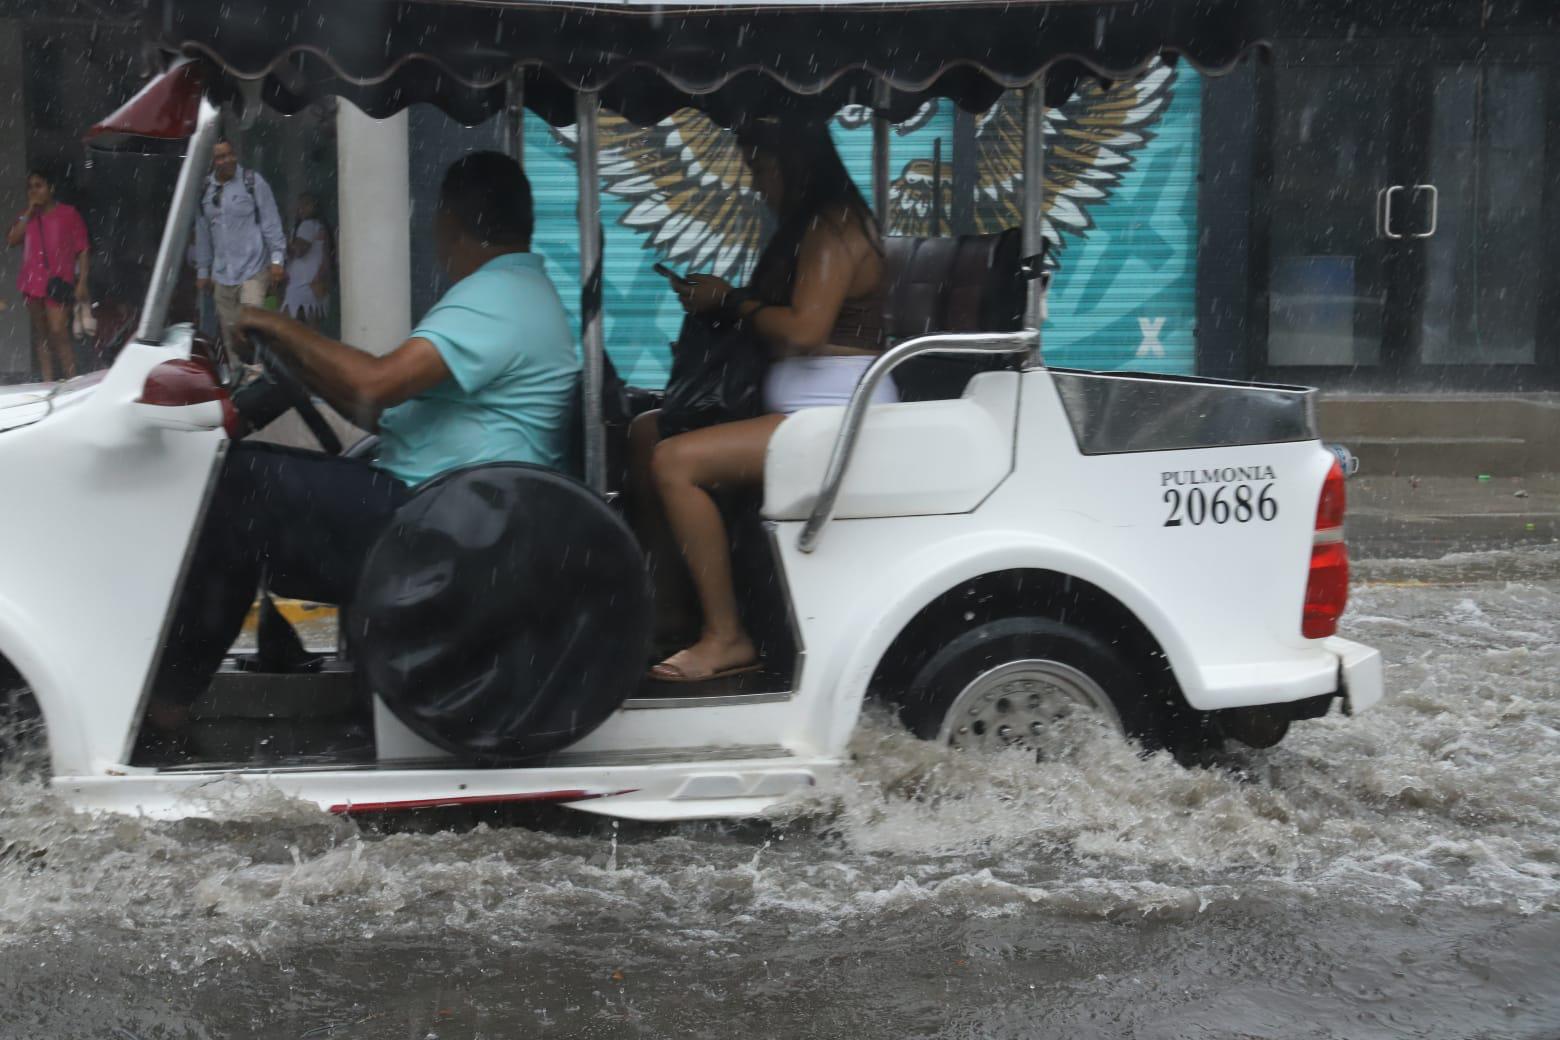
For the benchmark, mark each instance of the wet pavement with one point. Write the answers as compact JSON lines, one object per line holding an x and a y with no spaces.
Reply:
{"x":1393,"y":875}
{"x":1433,"y":516}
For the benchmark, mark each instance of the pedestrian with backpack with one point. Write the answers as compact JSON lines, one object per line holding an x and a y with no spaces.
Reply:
{"x":240,"y":247}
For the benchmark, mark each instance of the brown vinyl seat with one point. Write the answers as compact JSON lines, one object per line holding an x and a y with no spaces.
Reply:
{"x":972,"y":283}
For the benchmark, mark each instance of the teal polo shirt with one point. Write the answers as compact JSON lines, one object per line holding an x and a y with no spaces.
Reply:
{"x":506,"y":339}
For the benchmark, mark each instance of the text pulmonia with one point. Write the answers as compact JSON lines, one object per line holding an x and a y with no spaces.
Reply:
{"x":1222,"y":475}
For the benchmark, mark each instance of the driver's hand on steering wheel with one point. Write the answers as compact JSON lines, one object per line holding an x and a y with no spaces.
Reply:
{"x":257,"y":319}
{"x":249,"y":319}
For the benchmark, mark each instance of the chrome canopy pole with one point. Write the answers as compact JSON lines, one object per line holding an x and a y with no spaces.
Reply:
{"x":880,"y":153}
{"x":176,"y":231}
{"x":513,"y":130}
{"x":1034,"y":196}
{"x":587,"y":107}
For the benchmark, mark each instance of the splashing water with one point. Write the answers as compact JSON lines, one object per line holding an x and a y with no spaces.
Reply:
{"x":1392,"y":874}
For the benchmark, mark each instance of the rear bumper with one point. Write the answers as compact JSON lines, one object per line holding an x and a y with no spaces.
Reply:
{"x":1359,"y":674}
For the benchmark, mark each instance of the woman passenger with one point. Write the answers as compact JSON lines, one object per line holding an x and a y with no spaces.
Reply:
{"x":815,"y":302}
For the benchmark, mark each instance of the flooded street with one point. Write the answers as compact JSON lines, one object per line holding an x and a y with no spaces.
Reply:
{"x":1397,"y":875}
{"x":607,"y":391}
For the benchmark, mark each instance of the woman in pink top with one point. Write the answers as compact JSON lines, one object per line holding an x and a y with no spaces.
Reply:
{"x":55,"y":247}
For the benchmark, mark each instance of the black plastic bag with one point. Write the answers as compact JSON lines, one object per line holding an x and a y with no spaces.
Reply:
{"x":717,"y":376}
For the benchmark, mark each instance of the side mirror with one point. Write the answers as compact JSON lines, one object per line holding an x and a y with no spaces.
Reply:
{"x":185,"y":395}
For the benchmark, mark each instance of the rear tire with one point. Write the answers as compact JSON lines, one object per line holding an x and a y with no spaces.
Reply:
{"x":1002,"y":683}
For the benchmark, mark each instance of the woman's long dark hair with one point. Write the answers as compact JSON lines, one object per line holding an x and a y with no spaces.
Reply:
{"x":815,"y":182}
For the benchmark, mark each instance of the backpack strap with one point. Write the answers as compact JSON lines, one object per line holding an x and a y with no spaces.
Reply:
{"x":254,"y":203}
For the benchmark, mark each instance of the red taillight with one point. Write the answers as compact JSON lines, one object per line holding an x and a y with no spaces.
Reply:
{"x":187,"y":381}
{"x":1330,"y":507}
{"x":1327,"y":593}
{"x":1327,"y":590}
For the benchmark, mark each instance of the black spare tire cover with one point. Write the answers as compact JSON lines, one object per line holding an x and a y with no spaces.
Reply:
{"x":503,"y":613}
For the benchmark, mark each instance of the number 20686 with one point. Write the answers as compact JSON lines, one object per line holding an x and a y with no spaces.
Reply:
{"x":1227,"y":504}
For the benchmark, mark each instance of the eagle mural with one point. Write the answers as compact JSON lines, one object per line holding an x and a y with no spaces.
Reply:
{"x":687,"y":188}
{"x":689,"y":197}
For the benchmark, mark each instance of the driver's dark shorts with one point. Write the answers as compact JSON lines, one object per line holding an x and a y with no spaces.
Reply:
{"x":308,"y":519}
{"x":299,"y":522}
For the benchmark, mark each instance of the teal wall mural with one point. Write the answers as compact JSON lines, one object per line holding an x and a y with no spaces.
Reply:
{"x":1121,"y":186}
{"x":1125,"y":295}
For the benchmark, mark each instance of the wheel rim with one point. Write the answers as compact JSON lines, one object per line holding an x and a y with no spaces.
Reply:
{"x":1019,"y":703}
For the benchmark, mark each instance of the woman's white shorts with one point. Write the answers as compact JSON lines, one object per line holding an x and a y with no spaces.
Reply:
{"x":794,"y":383}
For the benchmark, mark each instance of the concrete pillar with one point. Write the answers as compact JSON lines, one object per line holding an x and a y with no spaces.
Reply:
{"x":374,"y":203}
{"x":374,"y":236}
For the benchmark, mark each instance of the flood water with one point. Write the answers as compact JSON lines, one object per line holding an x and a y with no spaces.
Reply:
{"x":1395,"y":875}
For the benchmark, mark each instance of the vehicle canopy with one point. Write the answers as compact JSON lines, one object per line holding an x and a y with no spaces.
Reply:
{"x":566,"y":61}
{"x":646,"y":60}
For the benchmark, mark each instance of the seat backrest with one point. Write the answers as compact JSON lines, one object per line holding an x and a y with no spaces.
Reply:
{"x":616,"y":413}
{"x":972,"y":283}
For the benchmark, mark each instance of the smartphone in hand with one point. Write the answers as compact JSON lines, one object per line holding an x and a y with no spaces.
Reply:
{"x":669,"y":274}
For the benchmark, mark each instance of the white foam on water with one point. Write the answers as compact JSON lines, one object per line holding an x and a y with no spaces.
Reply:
{"x":1450,"y":789}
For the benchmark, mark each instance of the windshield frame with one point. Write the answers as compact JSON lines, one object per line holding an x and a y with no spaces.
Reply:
{"x":181,"y":217}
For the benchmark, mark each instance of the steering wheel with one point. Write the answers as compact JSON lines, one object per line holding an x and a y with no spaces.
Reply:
{"x":275,"y":392}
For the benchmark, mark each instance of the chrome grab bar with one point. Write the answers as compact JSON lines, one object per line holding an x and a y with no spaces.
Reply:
{"x":861,"y":399}
{"x":1435,"y":209}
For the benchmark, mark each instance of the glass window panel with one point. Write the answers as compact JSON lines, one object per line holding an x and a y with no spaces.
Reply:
{"x":1311,"y":310}
{"x":1326,"y":280}
{"x":1483,"y":267}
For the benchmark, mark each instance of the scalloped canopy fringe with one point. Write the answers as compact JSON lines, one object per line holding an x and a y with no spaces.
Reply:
{"x":733,"y":61}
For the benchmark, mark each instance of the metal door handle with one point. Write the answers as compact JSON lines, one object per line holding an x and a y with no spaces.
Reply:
{"x":1386,"y":216}
{"x":1435,"y":208}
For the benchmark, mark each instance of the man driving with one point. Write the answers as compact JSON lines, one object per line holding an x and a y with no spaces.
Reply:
{"x":488,"y":375}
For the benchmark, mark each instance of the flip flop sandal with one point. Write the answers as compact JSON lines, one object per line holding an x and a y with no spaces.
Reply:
{"x":670,"y":673}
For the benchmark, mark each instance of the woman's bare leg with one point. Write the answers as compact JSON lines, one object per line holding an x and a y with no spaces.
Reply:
{"x":674,"y":601}
{"x":684,"y":467}
{"x":38,"y":319}
{"x":644,"y":506}
{"x":59,"y":339}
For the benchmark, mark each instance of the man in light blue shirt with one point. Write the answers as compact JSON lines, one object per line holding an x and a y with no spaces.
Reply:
{"x":239,"y":244}
{"x":500,"y":402}
{"x":490,"y":374}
